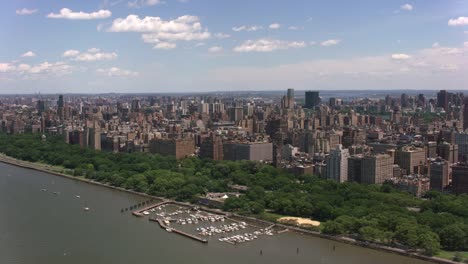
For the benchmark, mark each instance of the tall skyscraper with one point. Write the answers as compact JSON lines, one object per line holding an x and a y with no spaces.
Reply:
{"x":290,"y":94}
{"x":460,"y":178}
{"x":461,"y":139}
{"x":439,"y":174}
{"x":443,"y":99}
{"x":312,"y":99}
{"x":354,"y":168}
{"x":337,"y":164}
{"x":288,"y":100}
{"x":60,"y":106}
{"x":465,"y":113}
{"x":135,"y":105}
{"x":404,"y":100}
{"x":60,"y":103}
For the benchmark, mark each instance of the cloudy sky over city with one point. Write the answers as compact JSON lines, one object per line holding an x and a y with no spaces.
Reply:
{"x":90,"y":46}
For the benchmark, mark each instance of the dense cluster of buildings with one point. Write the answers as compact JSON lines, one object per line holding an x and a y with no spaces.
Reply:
{"x":415,"y":142}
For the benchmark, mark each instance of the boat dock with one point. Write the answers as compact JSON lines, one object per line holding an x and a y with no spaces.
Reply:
{"x":162,"y":225}
{"x":139,"y":212}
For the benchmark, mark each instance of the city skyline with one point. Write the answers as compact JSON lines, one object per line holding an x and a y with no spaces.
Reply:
{"x":152,"y":46}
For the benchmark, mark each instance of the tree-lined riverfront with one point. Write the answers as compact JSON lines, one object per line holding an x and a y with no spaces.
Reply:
{"x":38,"y":227}
{"x":366,"y":212}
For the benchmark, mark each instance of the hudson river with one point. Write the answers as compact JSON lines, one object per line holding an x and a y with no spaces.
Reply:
{"x":40,"y":227}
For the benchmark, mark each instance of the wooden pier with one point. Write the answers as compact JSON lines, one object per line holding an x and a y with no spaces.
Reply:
{"x":139,"y":212}
{"x":162,"y":225}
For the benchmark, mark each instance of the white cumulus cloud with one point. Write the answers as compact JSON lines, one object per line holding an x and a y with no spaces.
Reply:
{"x":23,"y":67}
{"x":97,"y":56}
{"x":116,"y":72}
{"x":44,"y":69}
{"x":215,"y":49}
{"x":268,"y":45}
{"x":460,"y":21}
{"x":406,"y":7}
{"x":330,"y":42}
{"x":162,"y":32}
{"x":26,"y":11}
{"x":93,"y":50}
{"x":7,"y":67}
{"x":142,"y":3}
{"x":28,"y":54}
{"x":93,"y":54}
{"x":247,"y":28}
{"x":56,"y":68}
{"x":274,"y":26}
{"x":165,"y":45}
{"x":400,"y":56}
{"x":222,"y":35}
{"x":66,"y":13}
{"x":70,"y":53}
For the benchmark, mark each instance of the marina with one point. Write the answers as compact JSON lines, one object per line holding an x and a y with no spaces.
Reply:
{"x":202,"y":226}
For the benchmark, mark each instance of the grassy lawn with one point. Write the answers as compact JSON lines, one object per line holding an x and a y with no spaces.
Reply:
{"x":450,"y":254}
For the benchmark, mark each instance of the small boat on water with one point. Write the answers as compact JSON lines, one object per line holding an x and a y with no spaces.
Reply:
{"x":169,"y":229}
{"x":86,"y":208}
{"x":43,"y":190}
{"x":78,"y":196}
{"x":146,"y":213}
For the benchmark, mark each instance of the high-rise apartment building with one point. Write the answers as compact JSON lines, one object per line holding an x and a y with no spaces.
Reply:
{"x":439,"y":174}
{"x":337,"y":164}
{"x":465,"y":113}
{"x":410,"y":158}
{"x":259,"y":151}
{"x":461,"y":139}
{"x":376,"y":169}
{"x":212,"y":148}
{"x":178,"y":147}
{"x":354,"y":168}
{"x":460,"y":178}
{"x":448,"y":152}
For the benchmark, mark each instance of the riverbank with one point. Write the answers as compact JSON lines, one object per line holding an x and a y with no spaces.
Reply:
{"x":56,"y":171}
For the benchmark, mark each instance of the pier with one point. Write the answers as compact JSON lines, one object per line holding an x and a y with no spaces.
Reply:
{"x":162,"y":225}
{"x":140,"y":211}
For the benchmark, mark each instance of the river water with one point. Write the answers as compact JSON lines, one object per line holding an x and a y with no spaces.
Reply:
{"x":40,"y":227}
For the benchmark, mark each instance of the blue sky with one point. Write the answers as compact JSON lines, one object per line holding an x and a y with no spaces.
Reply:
{"x":210,"y":45}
